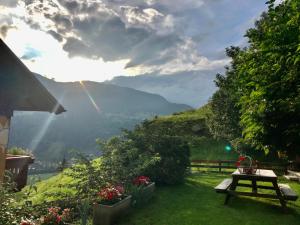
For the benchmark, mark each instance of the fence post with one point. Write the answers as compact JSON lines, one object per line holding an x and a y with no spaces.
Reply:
{"x":220,"y":164}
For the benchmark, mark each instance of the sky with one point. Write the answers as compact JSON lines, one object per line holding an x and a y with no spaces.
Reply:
{"x":71,"y":40}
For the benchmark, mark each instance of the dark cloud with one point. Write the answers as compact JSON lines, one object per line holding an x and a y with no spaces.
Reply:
{"x":9,"y":3}
{"x":105,"y":37}
{"x":56,"y":35}
{"x":3,"y":30}
{"x":76,"y":47}
{"x":78,"y":7}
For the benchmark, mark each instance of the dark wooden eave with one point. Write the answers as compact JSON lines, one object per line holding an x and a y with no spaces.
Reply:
{"x":20,"y":90}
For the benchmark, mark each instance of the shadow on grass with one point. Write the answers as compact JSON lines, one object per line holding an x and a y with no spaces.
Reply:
{"x":196,"y":203}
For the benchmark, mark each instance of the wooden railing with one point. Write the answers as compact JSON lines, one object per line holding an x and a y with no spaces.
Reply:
{"x":18,"y":166}
{"x":230,"y":164}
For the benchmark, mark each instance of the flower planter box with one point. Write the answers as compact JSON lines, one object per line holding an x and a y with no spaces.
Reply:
{"x":148,"y":191}
{"x":143,"y":195}
{"x":107,"y":214}
{"x":18,"y":166}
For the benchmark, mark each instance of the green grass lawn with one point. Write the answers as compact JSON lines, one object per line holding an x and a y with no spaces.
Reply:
{"x":196,"y":203}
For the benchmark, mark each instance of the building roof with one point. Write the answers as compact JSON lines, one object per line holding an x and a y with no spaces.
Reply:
{"x":20,"y":90}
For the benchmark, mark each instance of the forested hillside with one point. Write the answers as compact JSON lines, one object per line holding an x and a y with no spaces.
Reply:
{"x":94,"y":110}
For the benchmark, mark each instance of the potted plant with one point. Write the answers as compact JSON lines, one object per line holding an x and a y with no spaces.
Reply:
{"x":111,"y":204}
{"x":17,"y":162}
{"x":246,"y":165}
{"x":142,"y":190}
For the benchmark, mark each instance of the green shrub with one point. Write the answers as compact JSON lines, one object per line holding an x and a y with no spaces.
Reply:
{"x":144,"y":151}
{"x":174,"y":156}
{"x":19,"y":151}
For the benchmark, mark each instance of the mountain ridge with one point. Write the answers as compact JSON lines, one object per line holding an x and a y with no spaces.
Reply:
{"x":94,"y":110}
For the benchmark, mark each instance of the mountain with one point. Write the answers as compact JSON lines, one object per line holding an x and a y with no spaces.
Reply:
{"x":94,"y":110}
{"x":192,"y":88}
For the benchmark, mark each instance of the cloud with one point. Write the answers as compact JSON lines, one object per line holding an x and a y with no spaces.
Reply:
{"x":153,"y":35}
{"x":56,"y":35}
{"x":147,"y":18}
{"x":9,"y":3}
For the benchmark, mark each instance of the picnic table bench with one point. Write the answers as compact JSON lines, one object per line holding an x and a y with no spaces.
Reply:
{"x":283,"y":191}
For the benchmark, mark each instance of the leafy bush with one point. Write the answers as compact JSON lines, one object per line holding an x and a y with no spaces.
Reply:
{"x":19,"y":151}
{"x":162,"y":157}
{"x":174,"y":159}
{"x":123,"y":159}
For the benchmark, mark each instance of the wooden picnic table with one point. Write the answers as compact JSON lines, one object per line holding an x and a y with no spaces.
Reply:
{"x":283,"y":191}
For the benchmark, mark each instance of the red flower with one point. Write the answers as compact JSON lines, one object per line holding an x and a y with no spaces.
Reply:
{"x":141,"y":180}
{"x":111,"y":193}
{"x":26,"y":222}
{"x":58,"y":219}
{"x":242,"y":158}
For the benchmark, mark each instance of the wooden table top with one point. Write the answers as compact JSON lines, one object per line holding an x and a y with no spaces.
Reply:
{"x":259,"y":173}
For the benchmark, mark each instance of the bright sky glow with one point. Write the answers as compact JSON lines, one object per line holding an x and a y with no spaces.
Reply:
{"x":53,"y":62}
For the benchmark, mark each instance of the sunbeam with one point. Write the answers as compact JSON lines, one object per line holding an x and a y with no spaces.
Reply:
{"x":40,"y":135}
{"x":90,"y":97}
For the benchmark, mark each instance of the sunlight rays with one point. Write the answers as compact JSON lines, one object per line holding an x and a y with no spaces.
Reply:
{"x":90,"y":97}
{"x":41,"y":133}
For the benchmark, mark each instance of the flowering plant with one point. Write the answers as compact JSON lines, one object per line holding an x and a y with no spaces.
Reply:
{"x":141,"y":181}
{"x":27,"y":222}
{"x":111,"y":194}
{"x":55,"y":216}
{"x":240,"y":160}
{"x":245,"y":164}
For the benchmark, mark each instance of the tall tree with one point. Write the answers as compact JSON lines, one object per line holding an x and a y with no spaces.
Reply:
{"x":265,"y":84}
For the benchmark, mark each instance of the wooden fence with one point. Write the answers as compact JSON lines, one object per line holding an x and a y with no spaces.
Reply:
{"x":230,"y":164}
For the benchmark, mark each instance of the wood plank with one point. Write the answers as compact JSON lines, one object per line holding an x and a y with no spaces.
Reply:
{"x":287,"y":192}
{"x":260,"y":173}
{"x":223,"y":186}
{"x":212,"y":166}
{"x":251,"y":194}
{"x":258,"y":186}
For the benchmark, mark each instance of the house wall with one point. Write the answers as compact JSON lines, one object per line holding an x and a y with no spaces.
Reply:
{"x":4,"y":135}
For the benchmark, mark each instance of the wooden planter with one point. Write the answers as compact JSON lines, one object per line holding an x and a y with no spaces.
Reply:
{"x":107,"y":214}
{"x":18,"y":166}
{"x":143,"y":195}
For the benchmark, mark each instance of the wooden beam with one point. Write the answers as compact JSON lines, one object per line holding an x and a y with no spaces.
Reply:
{"x":4,"y":135}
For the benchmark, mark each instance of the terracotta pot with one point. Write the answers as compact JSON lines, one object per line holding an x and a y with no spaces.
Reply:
{"x":107,"y":214}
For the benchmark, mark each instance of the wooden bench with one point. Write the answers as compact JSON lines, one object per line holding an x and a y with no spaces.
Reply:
{"x":287,"y":192}
{"x":223,"y":186}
